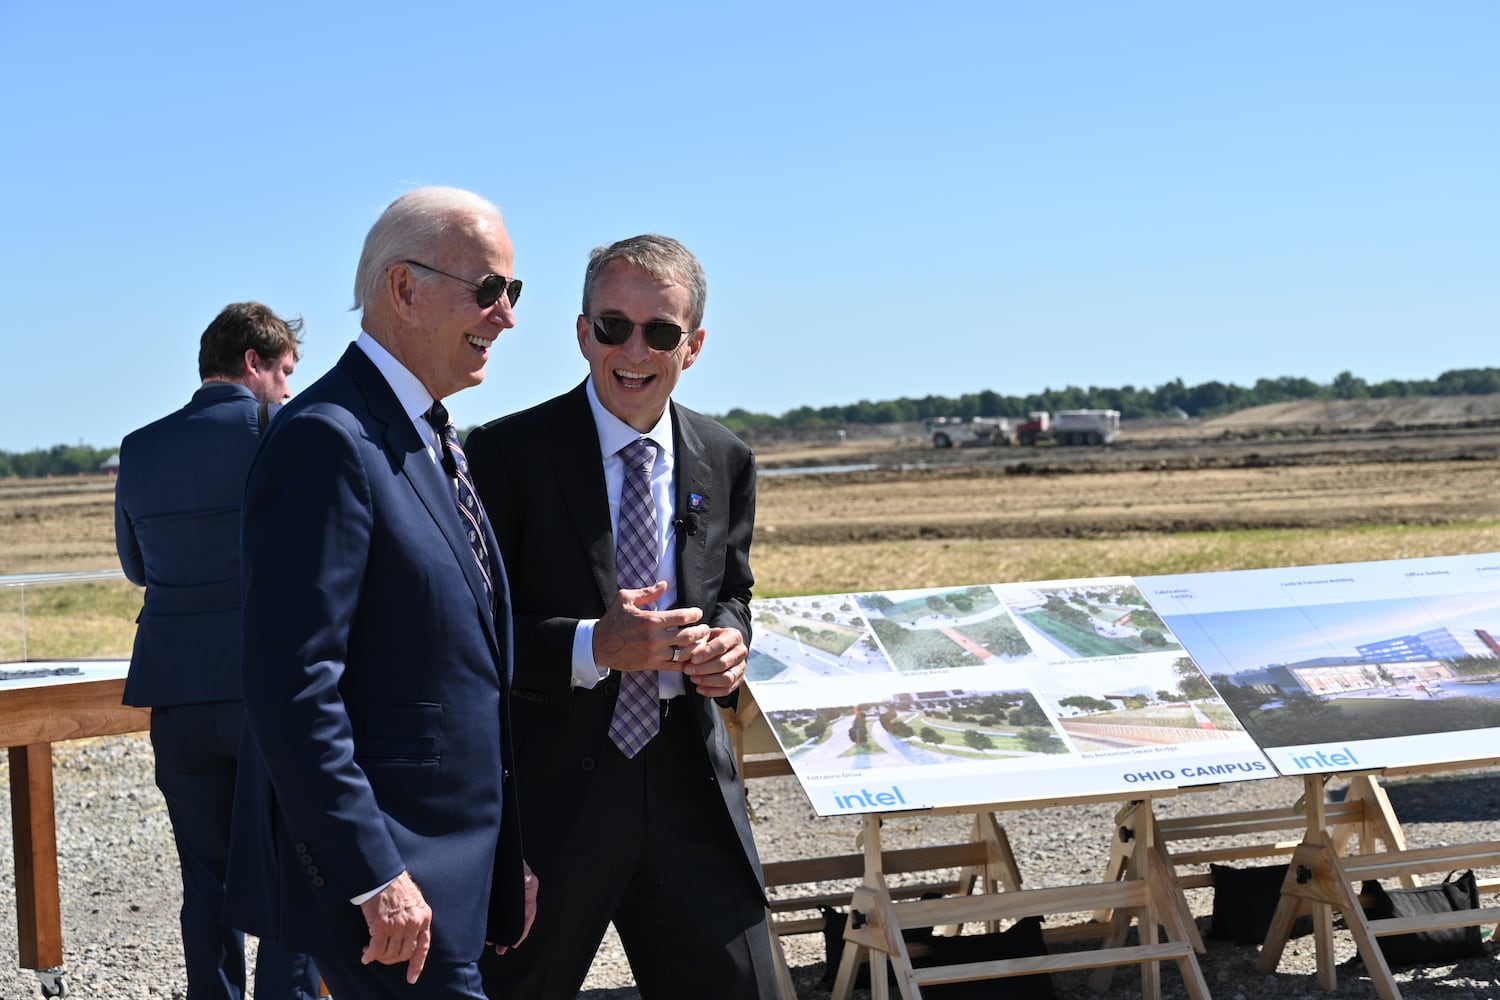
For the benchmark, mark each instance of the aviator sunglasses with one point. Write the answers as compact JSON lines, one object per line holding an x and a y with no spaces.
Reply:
{"x":616,"y":330}
{"x":487,"y":291}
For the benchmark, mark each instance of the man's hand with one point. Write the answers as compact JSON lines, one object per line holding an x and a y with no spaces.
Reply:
{"x":400,"y":923}
{"x":630,"y":638}
{"x":716,"y":664}
{"x":530,"y":884}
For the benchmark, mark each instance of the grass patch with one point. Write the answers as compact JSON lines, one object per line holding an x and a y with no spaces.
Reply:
{"x":69,"y":621}
{"x":1178,"y":718}
{"x":920,"y":649}
{"x":786,"y":570}
{"x":1083,"y":642}
{"x":1219,"y":715}
{"x":1339,"y":719}
{"x":829,"y":637}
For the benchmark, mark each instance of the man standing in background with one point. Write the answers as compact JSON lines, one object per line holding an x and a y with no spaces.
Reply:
{"x":177,"y":530}
{"x":376,"y":825}
{"x":625,"y":521}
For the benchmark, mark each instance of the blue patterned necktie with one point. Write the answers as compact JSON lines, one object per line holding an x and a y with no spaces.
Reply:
{"x":637,"y":715}
{"x":471,"y":513}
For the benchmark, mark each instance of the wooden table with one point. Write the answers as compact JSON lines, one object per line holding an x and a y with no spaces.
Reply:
{"x":34,"y":714}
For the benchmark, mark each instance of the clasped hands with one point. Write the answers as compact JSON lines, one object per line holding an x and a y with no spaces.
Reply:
{"x":630,"y":637}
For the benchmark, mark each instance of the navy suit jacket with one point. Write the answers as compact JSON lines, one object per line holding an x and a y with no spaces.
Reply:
{"x":540,"y":474}
{"x":375,"y":678}
{"x":177,"y":529}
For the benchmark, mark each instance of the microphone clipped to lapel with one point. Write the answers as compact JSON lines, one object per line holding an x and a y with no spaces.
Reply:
{"x":688,"y":522}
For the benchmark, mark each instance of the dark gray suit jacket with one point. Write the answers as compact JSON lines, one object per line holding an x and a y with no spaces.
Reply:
{"x":541,"y":477}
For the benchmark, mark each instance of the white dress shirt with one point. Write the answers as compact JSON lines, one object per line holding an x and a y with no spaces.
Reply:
{"x":410,"y":392}
{"x":615,"y":434}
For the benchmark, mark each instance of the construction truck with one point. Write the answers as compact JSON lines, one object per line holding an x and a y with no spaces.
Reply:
{"x":947,"y":432}
{"x":1085,"y":426}
{"x":1065,"y":427}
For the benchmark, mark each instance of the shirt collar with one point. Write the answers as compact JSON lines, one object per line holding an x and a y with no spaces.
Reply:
{"x":410,"y":393}
{"x":615,"y":433}
{"x":218,"y":387}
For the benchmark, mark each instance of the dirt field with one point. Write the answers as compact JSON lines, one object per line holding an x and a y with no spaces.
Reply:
{"x":1313,"y":466}
{"x":1285,"y":486}
{"x":57,"y":525}
{"x":1302,"y":466}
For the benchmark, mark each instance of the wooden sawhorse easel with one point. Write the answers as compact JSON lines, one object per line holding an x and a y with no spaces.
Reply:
{"x":985,"y":861}
{"x":878,"y":917}
{"x":1141,"y":887}
{"x":1321,"y":875}
{"x":1365,"y":814}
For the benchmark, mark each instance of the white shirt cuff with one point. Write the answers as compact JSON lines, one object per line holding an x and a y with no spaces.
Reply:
{"x":586,"y":673}
{"x":365,"y":897}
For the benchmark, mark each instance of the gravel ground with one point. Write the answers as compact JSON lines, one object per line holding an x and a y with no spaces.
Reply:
{"x":120,"y":890}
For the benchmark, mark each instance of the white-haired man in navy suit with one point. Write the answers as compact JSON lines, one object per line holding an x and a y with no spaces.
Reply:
{"x":378,"y":830}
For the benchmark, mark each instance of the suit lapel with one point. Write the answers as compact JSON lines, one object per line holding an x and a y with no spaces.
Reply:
{"x":408,"y":452}
{"x":436,"y":491}
{"x":579,"y":466}
{"x":693,"y":494}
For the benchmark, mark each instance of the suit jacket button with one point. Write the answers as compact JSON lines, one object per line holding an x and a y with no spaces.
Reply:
{"x":312,"y":869}
{"x":317,"y":881}
{"x":587,"y":764}
{"x":300,"y":847}
{"x":306,"y":859}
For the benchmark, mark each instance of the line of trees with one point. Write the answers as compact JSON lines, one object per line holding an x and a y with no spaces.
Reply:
{"x":1205,"y":399}
{"x":1208,"y":398}
{"x":59,"y":460}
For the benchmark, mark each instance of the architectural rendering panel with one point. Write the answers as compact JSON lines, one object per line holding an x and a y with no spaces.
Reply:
{"x":1353,"y":666}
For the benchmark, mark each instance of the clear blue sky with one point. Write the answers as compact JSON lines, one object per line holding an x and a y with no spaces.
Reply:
{"x":889,"y":199}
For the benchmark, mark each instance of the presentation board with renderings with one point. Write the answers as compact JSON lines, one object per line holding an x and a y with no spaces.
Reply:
{"x":1012,"y":692}
{"x":989,"y":693}
{"x":1347,"y":667}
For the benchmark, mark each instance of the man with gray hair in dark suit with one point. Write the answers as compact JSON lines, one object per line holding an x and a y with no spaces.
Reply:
{"x":625,"y":522}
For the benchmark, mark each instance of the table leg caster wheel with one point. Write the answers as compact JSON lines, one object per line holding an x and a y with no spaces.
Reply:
{"x":52,"y":982}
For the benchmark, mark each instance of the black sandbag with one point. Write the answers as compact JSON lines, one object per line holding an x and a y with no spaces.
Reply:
{"x":1445,"y":945}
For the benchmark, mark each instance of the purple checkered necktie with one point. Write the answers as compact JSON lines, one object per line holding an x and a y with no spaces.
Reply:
{"x":638,"y":709}
{"x":470,"y":512}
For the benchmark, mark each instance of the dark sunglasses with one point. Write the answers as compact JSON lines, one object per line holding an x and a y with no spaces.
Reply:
{"x":616,"y":330}
{"x":487,"y":291}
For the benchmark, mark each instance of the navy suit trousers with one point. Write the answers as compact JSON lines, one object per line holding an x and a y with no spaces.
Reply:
{"x":346,"y":978}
